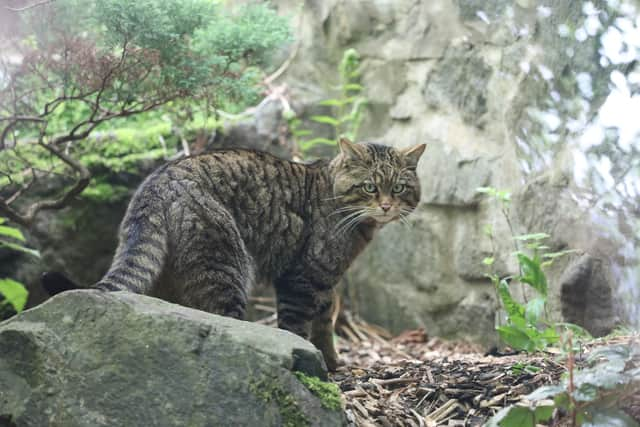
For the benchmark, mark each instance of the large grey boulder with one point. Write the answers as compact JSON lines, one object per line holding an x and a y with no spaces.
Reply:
{"x":87,"y":358}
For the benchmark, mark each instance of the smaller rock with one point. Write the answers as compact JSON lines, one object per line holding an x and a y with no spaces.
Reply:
{"x":451,"y":179}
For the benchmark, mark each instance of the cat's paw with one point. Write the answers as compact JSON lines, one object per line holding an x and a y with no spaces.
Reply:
{"x":332,"y":361}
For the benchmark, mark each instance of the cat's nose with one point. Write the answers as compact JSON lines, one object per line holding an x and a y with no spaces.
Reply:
{"x":385,"y":206}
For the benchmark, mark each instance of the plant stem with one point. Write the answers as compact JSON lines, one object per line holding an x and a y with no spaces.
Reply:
{"x":571,"y":386}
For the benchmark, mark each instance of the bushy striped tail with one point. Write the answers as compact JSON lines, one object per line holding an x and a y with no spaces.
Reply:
{"x":139,"y":259}
{"x":55,"y":282}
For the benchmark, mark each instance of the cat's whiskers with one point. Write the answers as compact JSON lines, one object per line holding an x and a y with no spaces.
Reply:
{"x":352,"y":220}
{"x":349,"y":216}
{"x":404,"y":213}
{"x":345,"y":209}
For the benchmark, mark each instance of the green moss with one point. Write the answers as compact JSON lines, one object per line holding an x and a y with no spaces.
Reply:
{"x":104,"y":192}
{"x":329,"y":393}
{"x":268,"y":390}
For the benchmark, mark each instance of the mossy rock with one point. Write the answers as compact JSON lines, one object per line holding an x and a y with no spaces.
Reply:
{"x":91,"y":358}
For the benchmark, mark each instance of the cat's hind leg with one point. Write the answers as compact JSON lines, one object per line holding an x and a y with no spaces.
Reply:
{"x":211,"y":265}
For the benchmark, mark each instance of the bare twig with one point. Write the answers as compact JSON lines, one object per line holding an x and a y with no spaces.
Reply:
{"x":31,"y":6}
{"x":26,"y":219}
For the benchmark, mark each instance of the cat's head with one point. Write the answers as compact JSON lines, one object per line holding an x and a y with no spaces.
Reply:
{"x":374,"y":182}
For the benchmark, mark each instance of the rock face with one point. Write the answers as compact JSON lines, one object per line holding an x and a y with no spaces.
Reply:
{"x":86,"y":358}
{"x":468,"y":78}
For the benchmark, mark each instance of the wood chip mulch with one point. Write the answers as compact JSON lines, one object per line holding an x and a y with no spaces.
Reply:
{"x":418,"y":381}
{"x":413,"y":380}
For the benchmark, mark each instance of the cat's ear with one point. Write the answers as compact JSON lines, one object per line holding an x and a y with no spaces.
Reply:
{"x":350,"y":150}
{"x":412,"y":154}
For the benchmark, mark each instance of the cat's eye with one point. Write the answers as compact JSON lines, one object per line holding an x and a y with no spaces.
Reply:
{"x":398,"y":188}
{"x":369,"y":187}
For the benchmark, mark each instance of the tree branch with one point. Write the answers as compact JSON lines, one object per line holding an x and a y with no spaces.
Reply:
{"x":26,"y":219}
{"x":31,"y":6}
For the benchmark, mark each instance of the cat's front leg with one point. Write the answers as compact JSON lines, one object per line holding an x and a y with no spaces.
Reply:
{"x":322,"y":334}
{"x":304,"y":308}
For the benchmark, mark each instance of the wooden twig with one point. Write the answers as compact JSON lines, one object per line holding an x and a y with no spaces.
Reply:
{"x":31,"y":6}
{"x":84,"y":177}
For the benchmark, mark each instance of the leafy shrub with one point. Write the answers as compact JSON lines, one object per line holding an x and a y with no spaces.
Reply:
{"x":527,"y":327}
{"x":14,"y":295}
{"x":347,"y":107}
{"x":84,"y":65}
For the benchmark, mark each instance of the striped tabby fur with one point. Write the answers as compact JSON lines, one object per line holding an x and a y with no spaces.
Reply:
{"x":202,"y":230}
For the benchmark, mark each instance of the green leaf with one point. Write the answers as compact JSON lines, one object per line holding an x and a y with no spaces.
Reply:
{"x":20,"y":248}
{"x":504,"y":196}
{"x":513,"y":308}
{"x":499,"y":416}
{"x":354,"y":86}
{"x":327,"y":120}
{"x":518,"y":416}
{"x":302,"y":132}
{"x":562,"y":401}
{"x":534,"y":310}
{"x":543,"y":413}
{"x":305,"y":145}
{"x":611,"y":353}
{"x":607,"y":375}
{"x":11,"y":232}
{"x":533,"y":236}
{"x":347,"y":118}
{"x":610,"y":417}
{"x":554,"y":255}
{"x":486,"y":190}
{"x":586,"y":393}
{"x":334,"y":102}
{"x":545,"y":392}
{"x":14,"y":293}
{"x":549,"y":336}
{"x":488,"y":261}
{"x":532,"y":274}
{"x":515,"y":337}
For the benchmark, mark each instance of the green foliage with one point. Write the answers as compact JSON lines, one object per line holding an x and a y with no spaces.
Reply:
{"x":268,"y":390}
{"x":190,"y":46}
{"x":526,"y":327}
{"x":591,"y":395}
{"x":115,"y":147}
{"x":347,"y":107}
{"x":13,"y":293}
{"x":329,"y":393}
{"x":126,"y":72}
{"x":10,"y":237}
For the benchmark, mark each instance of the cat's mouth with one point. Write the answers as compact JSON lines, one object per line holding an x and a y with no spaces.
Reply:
{"x":386,"y":217}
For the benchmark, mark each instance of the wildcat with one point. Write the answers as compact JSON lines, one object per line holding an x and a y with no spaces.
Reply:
{"x":202,"y":230}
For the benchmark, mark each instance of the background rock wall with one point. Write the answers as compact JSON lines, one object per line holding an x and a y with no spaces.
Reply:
{"x":467,"y":78}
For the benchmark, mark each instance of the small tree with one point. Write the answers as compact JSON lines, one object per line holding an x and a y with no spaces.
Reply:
{"x":76,"y":65}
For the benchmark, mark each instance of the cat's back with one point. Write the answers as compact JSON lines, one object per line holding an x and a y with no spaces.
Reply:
{"x":248,"y":183}
{"x":234,"y":166}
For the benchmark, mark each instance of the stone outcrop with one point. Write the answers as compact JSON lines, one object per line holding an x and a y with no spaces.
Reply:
{"x":87,"y":358}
